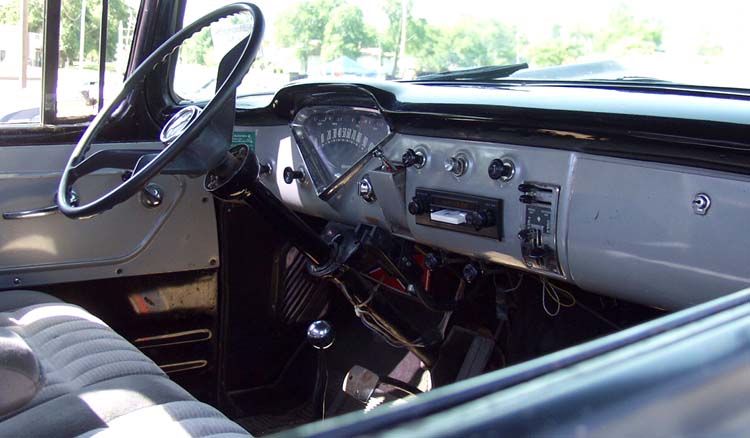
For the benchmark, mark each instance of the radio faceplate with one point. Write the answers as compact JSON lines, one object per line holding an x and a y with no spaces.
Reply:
{"x":458,"y":212}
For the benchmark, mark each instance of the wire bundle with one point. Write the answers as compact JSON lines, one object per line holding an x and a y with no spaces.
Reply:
{"x":554,"y":292}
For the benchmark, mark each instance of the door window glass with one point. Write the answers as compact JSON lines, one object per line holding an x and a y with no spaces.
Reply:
{"x":77,"y":94}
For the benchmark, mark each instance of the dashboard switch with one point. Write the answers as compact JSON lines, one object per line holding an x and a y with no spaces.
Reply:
{"x":457,"y":165}
{"x":413,"y":158}
{"x":471,"y":272}
{"x":290,"y":175}
{"x":365,"y":190}
{"x":501,"y":169}
{"x":433,"y":261}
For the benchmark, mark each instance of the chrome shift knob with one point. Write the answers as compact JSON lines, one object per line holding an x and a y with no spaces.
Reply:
{"x":320,"y":334}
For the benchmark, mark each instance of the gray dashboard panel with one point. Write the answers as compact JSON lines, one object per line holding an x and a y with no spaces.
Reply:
{"x":633,"y":233}
{"x":625,"y":228}
{"x":128,"y":240}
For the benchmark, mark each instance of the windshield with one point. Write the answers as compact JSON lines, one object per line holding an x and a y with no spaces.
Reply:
{"x":694,"y":43}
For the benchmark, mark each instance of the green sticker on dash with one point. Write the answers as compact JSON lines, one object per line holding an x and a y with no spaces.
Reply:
{"x":244,"y":137}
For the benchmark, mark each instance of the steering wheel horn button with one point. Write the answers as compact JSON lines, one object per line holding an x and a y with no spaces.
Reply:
{"x":179,"y":123}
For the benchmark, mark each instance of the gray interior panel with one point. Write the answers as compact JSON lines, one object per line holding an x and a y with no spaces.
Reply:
{"x":633,"y":232}
{"x":130,"y":239}
{"x":624,"y":228}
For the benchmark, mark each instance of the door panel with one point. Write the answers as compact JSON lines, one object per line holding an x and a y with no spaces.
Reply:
{"x":130,"y":239}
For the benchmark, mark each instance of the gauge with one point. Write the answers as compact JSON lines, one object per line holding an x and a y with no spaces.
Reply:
{"x":332,"y":139}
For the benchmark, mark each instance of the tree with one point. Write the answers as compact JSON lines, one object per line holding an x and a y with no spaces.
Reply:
{"x":625,"y":34}
{"x":303,"y":27}
{"x":555,"y":52}
{"x":195,"y":49}
{"x":70,"y":29}
{"x":345,"y":33}
{"x":9,"y":14}
{"x":470,"y":43}
{"x":391,"y":40}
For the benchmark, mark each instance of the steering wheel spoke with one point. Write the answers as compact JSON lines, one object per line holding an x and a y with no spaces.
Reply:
{"x":125,"y":159}
{"x":189,"y":150}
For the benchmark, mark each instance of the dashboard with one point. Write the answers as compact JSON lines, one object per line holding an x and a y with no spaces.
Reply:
{"x":587,"y":190}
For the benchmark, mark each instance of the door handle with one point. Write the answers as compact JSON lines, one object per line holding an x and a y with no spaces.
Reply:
{"x":73,"y":198}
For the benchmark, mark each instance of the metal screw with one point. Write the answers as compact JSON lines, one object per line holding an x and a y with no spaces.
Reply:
{"x":701,"y":204}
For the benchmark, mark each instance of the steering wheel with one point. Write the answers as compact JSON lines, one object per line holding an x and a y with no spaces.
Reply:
{"x":178,"y":133}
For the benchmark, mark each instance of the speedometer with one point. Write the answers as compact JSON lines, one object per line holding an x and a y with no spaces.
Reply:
{"x":332,"y":139}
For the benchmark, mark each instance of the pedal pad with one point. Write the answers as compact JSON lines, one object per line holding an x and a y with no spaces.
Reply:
{"x":464,"y":354}
{"x":477,"y":357}
{"x":360,"y":383}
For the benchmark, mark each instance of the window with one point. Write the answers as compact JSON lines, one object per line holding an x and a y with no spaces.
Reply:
{"x":694,"y":43}
{"x":199,"y":56}
{"x":84,"y":71}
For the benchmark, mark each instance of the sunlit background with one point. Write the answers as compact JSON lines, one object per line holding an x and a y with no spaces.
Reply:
{"x":701,"y":43}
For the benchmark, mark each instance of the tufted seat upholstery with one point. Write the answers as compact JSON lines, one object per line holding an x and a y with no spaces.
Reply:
{"x":95,"y":383}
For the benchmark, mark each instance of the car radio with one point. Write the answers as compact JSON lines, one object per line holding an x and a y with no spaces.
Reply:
{"x":458,"y":212}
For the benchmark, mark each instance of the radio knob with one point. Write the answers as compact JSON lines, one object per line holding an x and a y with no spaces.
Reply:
{"x":501,"y":169}
{"x":417,"y":206}
{"x":480,"y":219}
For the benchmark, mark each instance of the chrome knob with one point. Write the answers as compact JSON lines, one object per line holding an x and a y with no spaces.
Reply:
{"x":457,"y":165}
{"x":320,"y":334}
{"x":365,"y":190}
{"x":152,"y":196}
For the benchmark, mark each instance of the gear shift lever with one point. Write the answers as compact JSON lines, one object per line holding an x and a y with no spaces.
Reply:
{"x":320,"y":335}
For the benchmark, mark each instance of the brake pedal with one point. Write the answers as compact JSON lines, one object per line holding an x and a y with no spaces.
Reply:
{"x":360,"y":383}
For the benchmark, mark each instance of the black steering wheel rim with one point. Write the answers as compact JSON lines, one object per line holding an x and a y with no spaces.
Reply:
{"x":143,"y":174}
